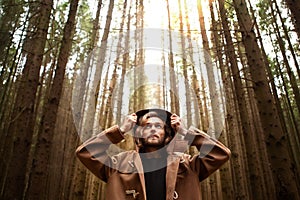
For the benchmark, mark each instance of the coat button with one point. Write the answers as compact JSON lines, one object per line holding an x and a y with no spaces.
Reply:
{"x":133,"y":192}
{"x":175,"y":195}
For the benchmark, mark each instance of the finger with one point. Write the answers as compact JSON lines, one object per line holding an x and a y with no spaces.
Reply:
{"x":132,"y":120}
{"x":174,"y":116}
{"x":134,"y":116}
{"x":175,"y":123}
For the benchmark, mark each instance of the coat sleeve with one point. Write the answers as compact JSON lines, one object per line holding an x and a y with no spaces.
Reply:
{"x":212,"y":153}
{"x":92,"y":153}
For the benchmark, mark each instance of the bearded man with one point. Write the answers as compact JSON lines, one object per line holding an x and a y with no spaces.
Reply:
{"x":159,"y":168}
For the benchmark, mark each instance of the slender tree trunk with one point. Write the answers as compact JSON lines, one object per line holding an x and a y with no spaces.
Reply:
{"x":235,"y":143}
{"x":62,"y":158}
{"x":270,"y":188}
{"x":293,"y":80}
{"x":84,"y":73}
{"x":40,"y":165}
{"x":109,"y":102}
{"x":215,"y":123}
{"x":281,"y":164}
{"x":253,"y":161}
{"x":294,"y":6}
{"x":22,"y":123}
{"x":7,"y":99}
{"x":293,"y":139}
{"x":125,"y":59}
{"x":8,"y":21}
{"x":96,"y":82}
{"x":227,"y":183}
{"x":86,"y":111}
{"x":173,"y":82}
{"x":292,"y":135}
{"x":184,"y":66}
{"x":215,"y":114}
{"x":193,"y":78}
{"x":140,"y":54}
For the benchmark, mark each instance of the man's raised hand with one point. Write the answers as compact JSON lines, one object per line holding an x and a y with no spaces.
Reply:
{"x":177,"y":124}
{"x":128,"y":123}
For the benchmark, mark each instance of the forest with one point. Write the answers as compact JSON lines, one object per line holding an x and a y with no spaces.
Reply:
{"x":71,"y":68}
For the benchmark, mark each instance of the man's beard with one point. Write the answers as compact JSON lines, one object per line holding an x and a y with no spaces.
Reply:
{"x":147,"y":143}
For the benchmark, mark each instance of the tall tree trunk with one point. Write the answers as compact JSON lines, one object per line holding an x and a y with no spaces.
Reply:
{"x":173,"y":81}
{"x":125,"y":61}
{"x":293,"y":80}
{"x":84,"y":72}
{"x":22,"y":124}
{"x":215,"y":123}
{"x":234,"y":105}
{"x":281,"y":164}
{"x":37,"y":188}
{"x":85,"y":111}
{"x":139,"y":57}
{"x":195,"y":102}
{"x":294,"y":6}
{"x":235,"y":140}
{"x":62,"y":157}
{"x":253,"y":161}
{"x":9,"y":20}
{"x":96,"y":82}
{"x":292,"y":135}
{"x":215,"y":114}
{"x":7,"y":99}
{"x":268,"y":181}
{"x":227,"y":184}
{"x":184,"y":66}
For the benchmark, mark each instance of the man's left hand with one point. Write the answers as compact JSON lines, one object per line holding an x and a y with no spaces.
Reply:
{"x":177,"y":125}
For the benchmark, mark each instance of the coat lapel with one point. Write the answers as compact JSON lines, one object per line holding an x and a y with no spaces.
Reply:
{"x":171,"y":176}
{"x":139,"y":166}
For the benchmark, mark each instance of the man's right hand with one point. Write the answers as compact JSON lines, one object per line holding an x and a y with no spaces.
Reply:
{"x":129,"y":122}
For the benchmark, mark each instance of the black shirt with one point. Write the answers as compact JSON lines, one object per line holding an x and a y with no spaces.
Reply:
{"x":155,"y":177}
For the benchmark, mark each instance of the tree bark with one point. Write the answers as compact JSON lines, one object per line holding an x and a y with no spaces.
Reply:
{"x":281,"y":164}
{"x":294,"y":6}
{"x":22,"y":123}
{"x":173,"y":82}
{"x":93,"y":92}
{"x":37,"y":188}
{"x":281,"y":43}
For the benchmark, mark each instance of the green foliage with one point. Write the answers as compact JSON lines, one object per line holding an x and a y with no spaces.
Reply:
{"x":265,"y":17}
{"x":83,"y":31}
{"x":229,"y":9}
{"x":10,"y":13}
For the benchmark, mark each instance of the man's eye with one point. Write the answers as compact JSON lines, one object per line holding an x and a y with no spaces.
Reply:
{"x":158,"y":126}
{"x":148,"y":126}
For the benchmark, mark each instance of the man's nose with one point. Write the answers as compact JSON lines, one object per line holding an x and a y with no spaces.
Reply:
{"x":153,"y":128}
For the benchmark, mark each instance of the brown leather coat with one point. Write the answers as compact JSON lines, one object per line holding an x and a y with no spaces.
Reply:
{"x":123,"y":172}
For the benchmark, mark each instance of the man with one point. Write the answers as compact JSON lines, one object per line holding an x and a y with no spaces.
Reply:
{"x":158,"y":169}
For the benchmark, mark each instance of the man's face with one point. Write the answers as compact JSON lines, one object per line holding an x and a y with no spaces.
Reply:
{"x":153,"y":132}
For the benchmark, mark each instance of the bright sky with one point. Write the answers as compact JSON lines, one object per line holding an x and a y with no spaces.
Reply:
{"x":156,"y":15}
